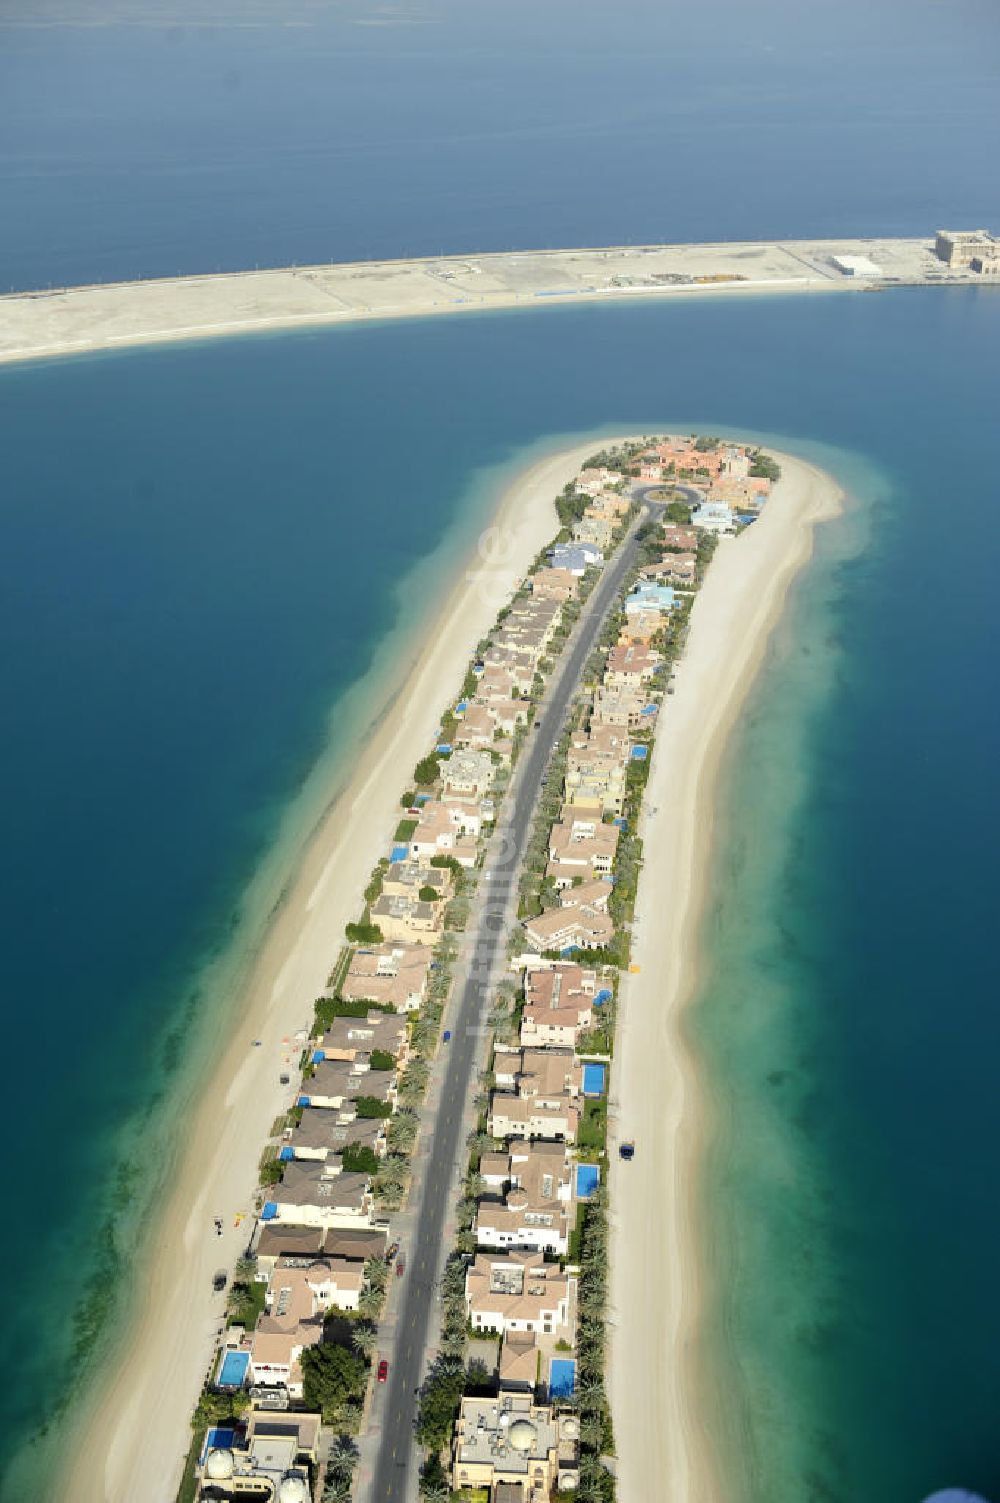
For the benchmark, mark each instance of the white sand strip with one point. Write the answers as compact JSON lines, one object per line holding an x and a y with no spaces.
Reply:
{"x":663,"y":1444}
{"x":72,"y":320}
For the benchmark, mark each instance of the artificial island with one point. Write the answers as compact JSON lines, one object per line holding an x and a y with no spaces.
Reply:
{"x":410,"y":1252}
{"x":61,"y":321}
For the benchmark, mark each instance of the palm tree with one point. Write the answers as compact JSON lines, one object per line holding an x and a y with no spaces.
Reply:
{"x":453,"y":1344}
{"x":590,"y":1396}
{"x":390,"y":1182}
{"x":414,"y":1082}
{"x":342,"y":1459}
{"x":595,"y":1242}
{"x":592,"y":1433}
{"x":351,"y":1415}
{"x":589,"y":1322}
{"x":364,"y":1338}
{"x":453,"y":1279}
{"x":403,"y":1130}
{"x":590,"y":1304}
{"x":591,"y":1474}
{"x":465,"y":1212}
{"x":376,"y":1273}
{"x":370,"y":1304}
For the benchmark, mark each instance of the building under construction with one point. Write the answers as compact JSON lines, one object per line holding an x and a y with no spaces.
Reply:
{"x":969,"y":250}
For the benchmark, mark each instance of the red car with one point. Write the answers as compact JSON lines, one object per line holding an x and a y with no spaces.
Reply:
{"x":383,"y":1370}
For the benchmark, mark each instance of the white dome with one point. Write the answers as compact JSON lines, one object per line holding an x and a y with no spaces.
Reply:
{"x":570,"y":1428}
{"x":219,"y":1466}
{"x":522,"y":1435}
{"x":293,"y":1489}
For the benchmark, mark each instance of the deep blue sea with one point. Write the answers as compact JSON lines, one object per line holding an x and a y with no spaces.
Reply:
{"x":148,"y":137}
{"x":203,"y":550}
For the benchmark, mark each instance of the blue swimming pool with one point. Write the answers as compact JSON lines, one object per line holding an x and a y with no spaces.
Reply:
{"x":218,"y":1440}
{"x":588,"y":1177}
{"x":233,"y":1372}
{"x":562,"y":1377}
{"x":593,"y":1079}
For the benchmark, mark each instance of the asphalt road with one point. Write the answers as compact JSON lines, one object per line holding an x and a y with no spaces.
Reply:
{"x":394,"y":1477}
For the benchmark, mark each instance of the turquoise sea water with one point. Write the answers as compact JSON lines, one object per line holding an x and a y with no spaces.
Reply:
{"x":845,"y":1023}
{"x":193,"y":545}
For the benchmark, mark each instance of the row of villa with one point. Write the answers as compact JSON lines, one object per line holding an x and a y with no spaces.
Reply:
{"x":316,"y":1266}
{"x":539,"y":1162}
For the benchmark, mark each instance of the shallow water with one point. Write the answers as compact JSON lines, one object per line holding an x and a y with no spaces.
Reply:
{"x":845,"y":1021}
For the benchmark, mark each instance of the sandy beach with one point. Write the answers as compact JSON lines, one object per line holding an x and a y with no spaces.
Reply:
{"x":130,"y":1433}
{"x":74,"y":320}
{"x":663,"y":1444}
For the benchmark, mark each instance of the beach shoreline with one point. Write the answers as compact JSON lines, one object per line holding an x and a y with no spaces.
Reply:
{"x":107,"y":1452}
{"x":664,"y":1438}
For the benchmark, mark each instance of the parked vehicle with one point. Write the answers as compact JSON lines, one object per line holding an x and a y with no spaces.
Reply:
{"x":446,"y":1036}
{"x":400,"y":1266}
{"x":626,"y":1150}
{"x":383,"y":1371}
{"x":219,"y":1280}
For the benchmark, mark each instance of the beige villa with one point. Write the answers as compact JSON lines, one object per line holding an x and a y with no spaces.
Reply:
{"x":410,"y":920}
{"x":519,"y":1451}
{"x":519,"y":1291}
{"x":269,"y":1460}
{"x":584,"y":926}
{"x":393,"y":974}
{"x":558,"y":1005}
{"x":314,"y":1193}
{"x":300,"y":1292}
{"x":534,"y":1212}
{"x":467,"y":774}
